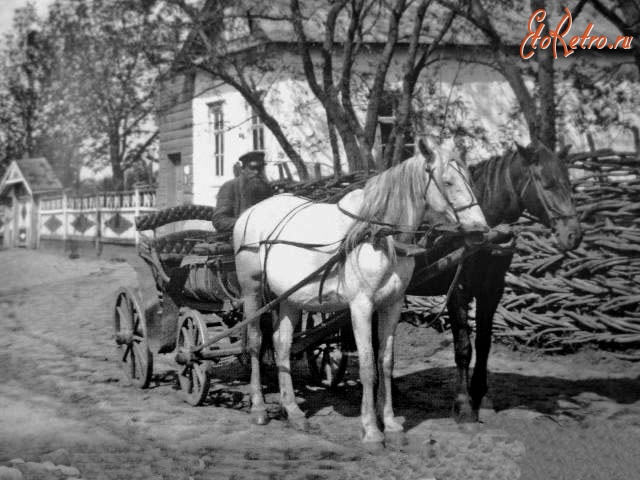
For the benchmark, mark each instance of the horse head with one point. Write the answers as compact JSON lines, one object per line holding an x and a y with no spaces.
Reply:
{"x":547,"y":193}
{"x":451,"y":177}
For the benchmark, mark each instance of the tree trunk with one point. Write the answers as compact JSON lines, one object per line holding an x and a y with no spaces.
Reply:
{"x":116,"y":161}
{"x":294,"y":156}
{"x":335,"y":150}
{"x":476,"y":13}
{"x":546,"y":88}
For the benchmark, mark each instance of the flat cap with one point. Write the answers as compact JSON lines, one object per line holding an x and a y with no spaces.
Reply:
{"x":252,"y":157}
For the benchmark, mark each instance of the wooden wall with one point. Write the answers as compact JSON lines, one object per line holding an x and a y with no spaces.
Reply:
{"x":175,"y":119}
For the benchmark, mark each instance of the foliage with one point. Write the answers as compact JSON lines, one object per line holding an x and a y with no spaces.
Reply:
{"x":80,"y":88}
{"x":24,"y":69}
{"x":102,"y":83}
{"x":602,"y":105}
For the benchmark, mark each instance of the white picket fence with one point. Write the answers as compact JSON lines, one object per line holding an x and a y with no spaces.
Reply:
{"x":108,"y":217}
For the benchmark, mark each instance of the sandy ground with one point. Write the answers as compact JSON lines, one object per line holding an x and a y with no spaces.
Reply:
{"x":560,"y":417}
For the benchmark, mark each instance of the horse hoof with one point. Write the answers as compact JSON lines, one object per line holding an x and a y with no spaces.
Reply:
{"x":299,"y":423}
{"x":395,"y":439}
{"x":373,"y":446}
{"x":259,"y":417}
{"x":463,"y":413}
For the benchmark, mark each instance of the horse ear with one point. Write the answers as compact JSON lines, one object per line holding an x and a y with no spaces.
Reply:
{"x":564,"y":152}
{"x":525,"y":154}
{"x":426,"y":152}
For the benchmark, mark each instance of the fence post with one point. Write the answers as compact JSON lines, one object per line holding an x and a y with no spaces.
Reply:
{"x":136,"y":210}
{"x":98,"y":242}
{"x":38,"y":221}
{"x":636,"y":139}
{"x":64,"y":219}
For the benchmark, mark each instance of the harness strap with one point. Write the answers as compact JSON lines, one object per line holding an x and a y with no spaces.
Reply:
{"x":398,"y":228}
{"x":309,"y":246}
{"x":270,"y":305}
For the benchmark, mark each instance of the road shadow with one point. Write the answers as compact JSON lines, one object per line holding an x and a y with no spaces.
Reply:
{"x":429,"y":394}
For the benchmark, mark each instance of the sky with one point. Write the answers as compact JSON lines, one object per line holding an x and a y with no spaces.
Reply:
{"x":8,"y":6}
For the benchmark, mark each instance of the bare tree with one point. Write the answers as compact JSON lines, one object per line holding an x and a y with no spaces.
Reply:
{"x":343,"y":32}
{"x":335,"y":90}
{"x":242,"y":64}
{"x":624,"y":14}
{"x":503,"y":60}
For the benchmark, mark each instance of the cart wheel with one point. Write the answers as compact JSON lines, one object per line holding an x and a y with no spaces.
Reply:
{"x":194,"y":377}
{"x":327,"y":361}
{"x":132,"y":340}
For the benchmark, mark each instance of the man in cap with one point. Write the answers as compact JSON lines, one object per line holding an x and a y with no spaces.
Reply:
{"x":237,"y":195}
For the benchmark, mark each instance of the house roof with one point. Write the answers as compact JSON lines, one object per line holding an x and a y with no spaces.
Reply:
{"x":35,"y":173}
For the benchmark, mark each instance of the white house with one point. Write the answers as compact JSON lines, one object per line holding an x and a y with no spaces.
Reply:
{"x":206,"y":125}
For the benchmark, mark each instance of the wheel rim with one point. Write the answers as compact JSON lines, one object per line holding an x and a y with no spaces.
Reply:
{"x":194,"y":378}
{"x":131,"y":335}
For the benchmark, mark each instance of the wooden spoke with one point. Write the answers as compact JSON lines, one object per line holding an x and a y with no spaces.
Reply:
{"x":194,"y":378}
{"x":133,"y":349}
{"x":326,"y":361}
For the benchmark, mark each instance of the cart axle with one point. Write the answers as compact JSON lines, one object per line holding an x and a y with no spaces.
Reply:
{"x":185,"y":357}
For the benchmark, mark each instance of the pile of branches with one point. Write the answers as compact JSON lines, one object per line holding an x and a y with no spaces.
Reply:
{"x":591,"y":295}
{"x":559,"y":301}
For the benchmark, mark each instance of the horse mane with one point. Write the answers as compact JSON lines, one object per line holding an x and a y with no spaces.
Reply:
{"x":488,"y":177}
{"x":395,"y":196}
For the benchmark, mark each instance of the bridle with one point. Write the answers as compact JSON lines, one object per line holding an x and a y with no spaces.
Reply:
{"x":474,"y":200}
{"x":553,"y":213}
{"x":401,"y":228}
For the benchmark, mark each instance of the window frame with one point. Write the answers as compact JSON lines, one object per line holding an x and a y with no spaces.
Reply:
{"x":257,"y":131}
{"x":217,"y":131}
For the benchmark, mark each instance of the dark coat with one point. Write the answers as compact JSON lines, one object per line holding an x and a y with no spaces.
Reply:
{"x":235,"y":196}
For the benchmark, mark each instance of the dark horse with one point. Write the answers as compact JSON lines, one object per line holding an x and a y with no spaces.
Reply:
{"x":533,"y":179}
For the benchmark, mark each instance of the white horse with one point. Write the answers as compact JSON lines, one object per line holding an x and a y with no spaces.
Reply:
{"x":281,"y":240}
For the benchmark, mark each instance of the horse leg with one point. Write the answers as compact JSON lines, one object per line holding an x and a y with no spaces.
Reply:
{"x":388,"y":318}
{"x":458,"y":315}
{"x":283,"y":328}
{"x":485,"y":309}
{"x":254,"y":343}
{"x":361,"y":310}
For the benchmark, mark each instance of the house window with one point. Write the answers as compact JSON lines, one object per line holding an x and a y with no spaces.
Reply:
{"x":257,"y":131}
{"x":216,"y":127}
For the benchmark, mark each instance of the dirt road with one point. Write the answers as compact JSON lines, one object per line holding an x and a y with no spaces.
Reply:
{"x":574,"y":417}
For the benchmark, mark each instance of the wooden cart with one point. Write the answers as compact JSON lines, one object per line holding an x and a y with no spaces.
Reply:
{"x":194,"y":309}
{"x":191,"y":297}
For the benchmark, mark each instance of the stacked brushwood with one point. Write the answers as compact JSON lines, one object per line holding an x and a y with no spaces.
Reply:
{"x":590,"y":295}
{"x":559,"y":301}
{"x":553,"y":300}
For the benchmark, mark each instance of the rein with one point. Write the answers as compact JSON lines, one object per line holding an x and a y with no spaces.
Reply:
{"x":398,"y":227}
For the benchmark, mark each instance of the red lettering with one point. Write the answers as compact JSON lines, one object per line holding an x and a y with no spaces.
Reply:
{"x":585,"y":35}
{"x":573,"y":43}
{"x":535,"y":28}
{"x":557,"y":36}
{"x":533,"y":35}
